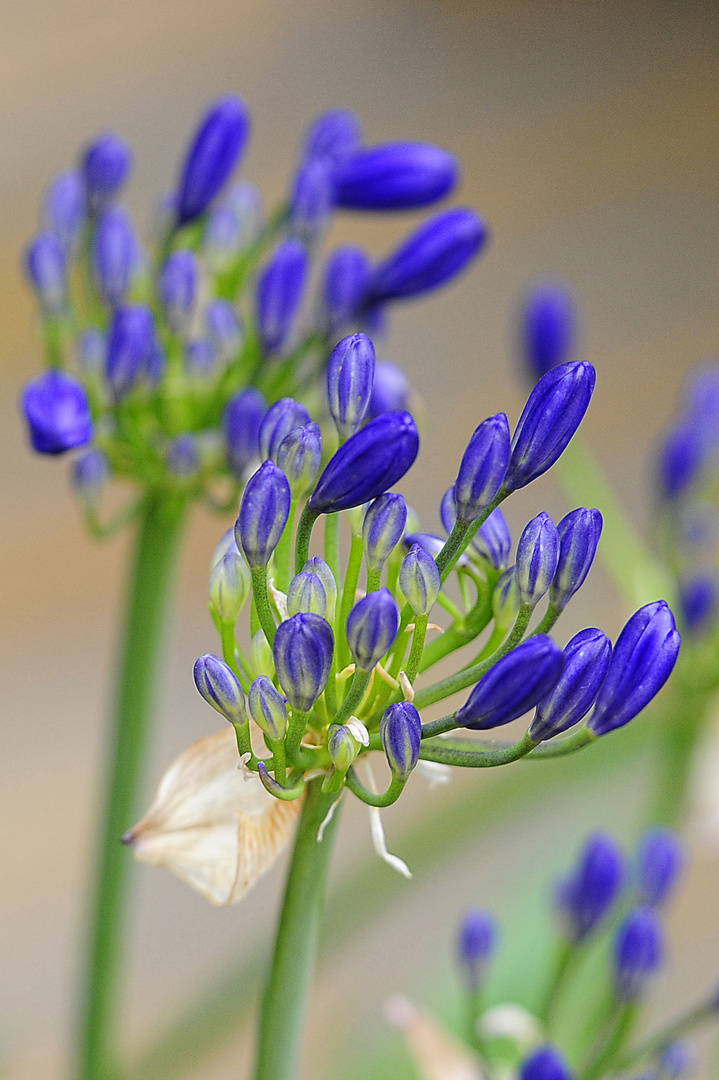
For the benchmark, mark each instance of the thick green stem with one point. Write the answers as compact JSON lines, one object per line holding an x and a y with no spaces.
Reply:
{"x":304,"y":535}
{"x":285,"y":997}
{"x":155,"y":558}
{"x":482,"y":759}
{"x":262,"y":602}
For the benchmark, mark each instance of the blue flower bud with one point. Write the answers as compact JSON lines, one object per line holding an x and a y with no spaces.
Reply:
{"x":114,"y":255}
{"x":280,"y":419}
{"x":342,"y":747}
{"x":401,"y":733}
{"x":242,"y":420}
{"x":660,"y":861}
{"x":435,"y":252}
{"x":643,"y":658}
{"x":638,"y":953}
{"x":220,"y":688}
{"x":587,"y":658}
{"x":579,"y":533}
{"x":395,"y":176}
{"x":280,"y":290}
{"x":550,"y":418}
{"x":182,"y":455}
{"x":681,"y":458}
{"x":178,"y":289}
{"x":156,"y":362}
{"x":431,"y":544}
{"x":334,"y":135}
{"x":549,"y":328}
{"x":224,"y":329}
{"x":212,"y":157}
{"x":57,"y":413}
{"x":311,"y":200}
{"x":90,"y":473}
{"x":391,"y":391}
{"x":200,"y":359}
{"x":91,"y":351}
{"x":64,"y":208}
{"x":372,"y":626}
{"x":382,"y":529}
{"x":132,"y":335}
{"x":482,"y":469}
{"x":227,"y":543}
{"x":268,"y":708}
{"x":492,"y":542}
{"x":318,"y":566}
{"x":547,"y":1063}
{"x":230,"y":584}
{"x":505,"y":599}
{"x":537,"y":558}
{"x":233,"y":225}
{"x":46,"y":264}
{"x":677,"y":1059}
{"x":303,"y":650}
{"x":698,"y":597}
{"x":264,"y":511}
{"x":350,"y":374}
{"x":475,"y":946}
{"x":299,"y":455}
{"x":370,"y":462}
{"x":419,"y":580}
{"x":306,"y":595}
{"x":514,"y":685}
{"x":588,"y":895}
{"x":106,"y":166}
{"x":346,"y":274}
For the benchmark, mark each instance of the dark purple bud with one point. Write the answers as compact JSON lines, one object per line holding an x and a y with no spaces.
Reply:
{"x":514,"y":685}
{"x":350,"y":375}
{"x":588,"y":895}
{"x":200,"y":358}
{"x":475,"y":947}
{"x":395,"y":176}
{"x":279,"y":420}
{"x":114,"y":255}
{"x":660,"y":861}
{"x":312,"y":199}
{"x":382,"y":529}
{"x":644,"y":656}
{"x":401,"y":733}
{"x":57,"y":413}
{"x":178,"y":289}
{"x":391,"y":390}
{"x":224,"y":329}
{"x":132,"y":335}
{"x":548,"y":328}
{"x":482,"y":468}
{"x":437,"y":251}
{"x":638,"y":953}
{"x":587,"y":658}
{"x":372,"y":626}
{"x":243,"y":417}
{"x":280,"y":290}
{"x":303,"y":656}
{"x":681,"y":458}
{"x":264,"y":511}
{"x":299,"y":455}
{"x":64,"y":208}
{"x":334,"y":136}
{"x":268,"y":708}
{"x":677,"y":1060}
{"x":537,"y":558}
{"x":347,"y":272}
{"x":46,"y":264}
{"x":493,"y":540}
{"x":369,"y":463}
{"x":579,"y":533}
{"x":90,"y":473}
{"x":212,"y":157}
{"x":91,"y":350}
{"x":106,"y":166}
{"x":307,"y":595}
{"x":419,"y":580}
{"x":698,"y":597}
{"x":220,"y":688}
{"x":182,"y":455}
{"x":547,"y":1063}
{"x":550,"y":418}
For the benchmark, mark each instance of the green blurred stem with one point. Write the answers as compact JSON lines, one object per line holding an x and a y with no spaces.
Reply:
{"x":565,"y":954}
{"x":262,"y":602}
{"x":285,"y":998}
{"x":623,"y":1022}
{"x":354,"y":566}
{"x":656,"y":1043}
{"x":415,"y":656}
{"x":158,"y":541}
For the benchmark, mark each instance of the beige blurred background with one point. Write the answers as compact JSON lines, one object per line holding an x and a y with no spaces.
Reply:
{"x":588,"y":135}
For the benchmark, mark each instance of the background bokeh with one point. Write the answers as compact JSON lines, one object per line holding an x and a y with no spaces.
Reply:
{"x":588,"y":135}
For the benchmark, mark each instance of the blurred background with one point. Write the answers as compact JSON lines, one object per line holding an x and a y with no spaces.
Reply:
{"x":588,"y":136}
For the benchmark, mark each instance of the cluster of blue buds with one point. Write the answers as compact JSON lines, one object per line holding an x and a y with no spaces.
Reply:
{"x":164,"y":363}
{"x":612,"y":908}
{"x":336,"y":645}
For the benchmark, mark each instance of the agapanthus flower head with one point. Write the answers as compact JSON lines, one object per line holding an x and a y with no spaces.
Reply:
{"x":537,"y":559}
{"x":643,"y":659}
{"x":419,"y":580}
{"x":263,"y":514}
{"x":698,"y":597}
{"x":548,"y":327}
{"x":299,"y":455}
{"x":395,"y":176}
{"x":243,"y":416}
{"x":178,"y":286}
{"x":131,"y":337}
{"x":350,"y":375}
{"x":391,"y":391}
{"x":215,"y":151}
{"x":346,"y":274}
{"x":114,"y":255}
{"x":401,"y":734}
{"x":382,"y":529}
{"x":638,"y":953}
{"x":64,"y":207}
{"x":482,"y":469}
{"x":318,"y":566}
{"x":268,"y":708}
{"x":280,"y":291}
{"x":230,"y":584}
{"x":106,"y":166}
{"x":333,"y":136}
{"x":220,"y":688}
{"x":224,"y":329}
{"x":477,"y":941}
{"x":312,"y":198}
{"x":589,"y":894}
{"x":46,"y":263}
{"x":546,"y":1063}
{"x":587,"y":658}
{"x":57,"y":412}
{"x":579,"y":533}
{"x":660,"y":861}
{"x":492,"y":542}
{"x":303,"y":656}
{"x":307,"y":594}
{"x":514,"y":685}
{"x":90,"y":473}
{"x":372,"y":626}
{"x":279,"y":420}
{"x":370,"y":462}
